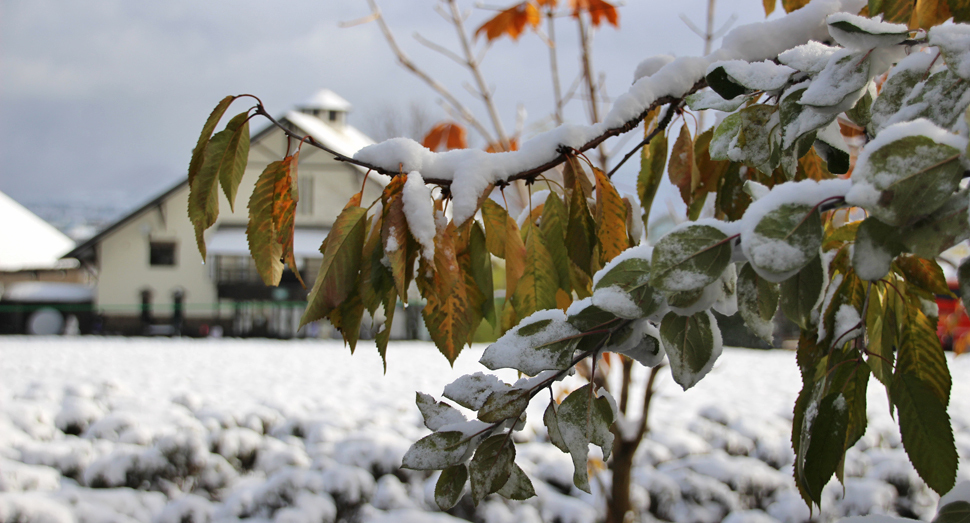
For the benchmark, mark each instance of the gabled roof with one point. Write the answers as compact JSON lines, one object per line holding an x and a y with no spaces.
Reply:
{"x":327,"y":100}
{"x":26,"y":241}
{"x":346,"y":140}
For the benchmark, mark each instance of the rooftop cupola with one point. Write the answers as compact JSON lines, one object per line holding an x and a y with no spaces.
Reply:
{"x":327,"y":106}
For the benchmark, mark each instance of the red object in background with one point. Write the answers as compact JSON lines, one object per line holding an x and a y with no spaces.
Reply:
{"x":954,"y":326}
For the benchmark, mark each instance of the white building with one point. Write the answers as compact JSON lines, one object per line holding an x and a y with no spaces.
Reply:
{"x":148,"y":259}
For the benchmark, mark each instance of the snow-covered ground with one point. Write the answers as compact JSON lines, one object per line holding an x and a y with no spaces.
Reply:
{"x":111,"y":429}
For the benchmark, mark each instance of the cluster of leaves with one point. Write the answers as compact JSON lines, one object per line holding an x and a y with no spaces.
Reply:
{"x":513,"y":20}
{"x":784,"y":237}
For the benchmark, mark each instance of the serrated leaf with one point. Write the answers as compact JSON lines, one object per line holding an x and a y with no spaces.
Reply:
{"x":284,"y":212}
{"x":347,"y":318}
{"x":504,"y":404}
{"x":575,"y":177}
{"x":923,"y":273}
{"x":436,"y":414}
{"x":683,"y":171}
{"x":198,"y":153}
{"x":823,"y":440}
{"x":518,"y":486}
{"x":610,"y":219}
{"x":436,"y":451}
{"x":203,"y":190}
{"x":341,"y":262}
{"x":536,"y":289}
{"x":450,"y":486}
{"x":580,"y":423}
{"x":692,"y":344}
{"x":481,"y":271}
{"x":955,"y":512}
{"x":261,"y":232}
{"x":232,"y":163}
{"x":926,"y":431}
{"x":793,"y":229}
{"x":881,"y":329}
{"x":580,"y":231}
{"x":491,"y":467}
{"x":653,"y":159}
{"x":894,"y":11}
{"x":801,"y":292}
{"x":447,"y":312}
{"x":631,"y":277}
{"x":690,"y":258}
{"x":395,"y":237}
{"x":376,"y":278}
{"x":914,"y":176}
{"x":757,"y":302}
{"x":946,"y":227}
{"x":553,"y":227}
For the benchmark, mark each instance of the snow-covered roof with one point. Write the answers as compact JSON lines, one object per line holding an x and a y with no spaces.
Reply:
{"x":343,"y":139}
{"x":327,"y":100}
{"x":26,"y":241}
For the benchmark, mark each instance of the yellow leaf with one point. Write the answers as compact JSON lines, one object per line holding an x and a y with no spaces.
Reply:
{"x":261,"y":231}
{"x":536,"y":289}
{"x":610,"y":219}
{"x":930,"y":13}
{"x":395,"y":235}
{"x":446,"y":313}
{"x":337,"y":279}
{"x":769,"y":7}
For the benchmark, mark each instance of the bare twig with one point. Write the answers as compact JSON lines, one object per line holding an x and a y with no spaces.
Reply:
{"x":590,"y":83}
{"x":554,"y":67}
{"x":440,"y":49}
{"x":661,"y":126}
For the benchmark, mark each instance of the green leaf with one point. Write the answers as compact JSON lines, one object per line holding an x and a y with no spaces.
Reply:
{"x":802,"y":292}
{"x":504,"y":404}
{"x":799,"y":121}
{"x":518,"y":487}
{"x":793,"y":229}
{"x":550,"y":420}
{"x":955,"y":512}
{"x":724,"y":136}
{"x":946,"y":227}
{"x":492,"y":465}
{"x":653,"y":158}
{"x":861,"y":114}
{"x":580,"y":231}
{"x":436,"y":451}
{"x":450,"y":486}
{"x":341,"y":262}
{"x":580,"y":423}
{"x":830,"y":147}
{"x":914,"y":176}
{"x":536,"y":289}
{"x":692,"y":343}
{"x":894,"y":92}
{"x":481,"y":270}
{"x":881,"y":329}
{"x":725,"y":85}
{"x":553,"y":227}
{"x":232,"y":163}
{"x":757,"y":302}
{"x":926,"y":431}
{"x":347,"y":317}
{"x":942,"y":98}
{"x":709,"y":99}
{"x":953,"y":48}
{"x":198,"y":153}
{"x":963,"y":276}
{"x":876,"y":246}
{"x":690,"y":258}
{"x":923,"y":273}
{"x":632,"y":278}
{"x":841,"y":82}
{"x":823,"y":440}
{"x":590,"y":318}
{"x":884,"y":38}
{"x":746,"y":136}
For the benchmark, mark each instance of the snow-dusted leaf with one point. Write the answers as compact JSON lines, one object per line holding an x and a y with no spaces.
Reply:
{"x":946,"y":227}
{"x":784,"y":240}
{"x":810,"y":57}
{"x":724,"y":135}
{"x":472,"y":390}
{"x":797,"y":120}
{"x":585,"y":316}
{"x":690,"y":258}
{"x":437,"y":414}
{"x":897,"y":87}
{"x":581,"y":423}
{"x":709,"y":99}
{"x":544,"y":341}
{"x":624,"y":289}
{"x":518,"y":486}
{"x":823,"y":435}
{"x":861,"y":114}
{"x":746,"y":136}
{"x":450,"y":486}
{"x":841,"y":317}
{"x":942,"y":99}
{"x":859,"y":32}
{"x":757,"y":302}
{"x":954,"y":43}
{"x":692,"y":343}
{"x":802,"y":292}
{"x":876,"y":246}
{"x":504,"y":404}
{"x":492,"y":465}
{"x":841,"y":83}
{"x":436,"y":451}
{"x":739,"y":76}
{"x":907,"y":172}
{"x":639,"y":340}
{"x":551,"y":422}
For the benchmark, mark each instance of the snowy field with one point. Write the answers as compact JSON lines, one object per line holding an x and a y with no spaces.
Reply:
{"x":120,"y":430}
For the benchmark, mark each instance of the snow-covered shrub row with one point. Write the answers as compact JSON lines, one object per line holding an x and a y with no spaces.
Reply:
{"x":87,"y":436}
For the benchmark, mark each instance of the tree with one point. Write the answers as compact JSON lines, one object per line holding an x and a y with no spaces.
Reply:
{"x":849,"y":259}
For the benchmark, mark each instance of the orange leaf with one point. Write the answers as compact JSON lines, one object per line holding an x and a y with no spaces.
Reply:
{"x":546,"y":3}
{"x":512,"y":21}
{"x":610,"y":218}
{"x":445,"y":136}
{"x":598,"y":10}
{"x":497,"y":147}
{"x":394,"y":235}
{"x":284,"y":211}
{"x":447,"y":311}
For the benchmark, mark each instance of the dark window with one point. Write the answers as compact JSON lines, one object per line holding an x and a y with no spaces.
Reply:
{"x":333,"y":116}
{"x":161,"y":254}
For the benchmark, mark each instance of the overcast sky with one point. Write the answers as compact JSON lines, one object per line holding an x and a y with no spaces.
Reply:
{"x":102,"y":101}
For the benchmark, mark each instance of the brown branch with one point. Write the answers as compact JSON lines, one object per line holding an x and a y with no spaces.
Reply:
{"x":647,"y":397}
{"x":661,"y":126}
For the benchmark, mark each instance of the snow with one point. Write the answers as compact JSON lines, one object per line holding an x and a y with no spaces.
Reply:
{"x":419,"y":213}
{"x":649,"y":66}
{"x":344,"y":139}
{"x":953,"y":41}
{"x":32,"y":243}
{"x":513,"y":349}
{"x":772,"y":258}
{"x":763,"y":76}
{"x":333,"y":426}
{"x":327,"y":100}
{"x":808,"y":58}
{"x":873,"y":31}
